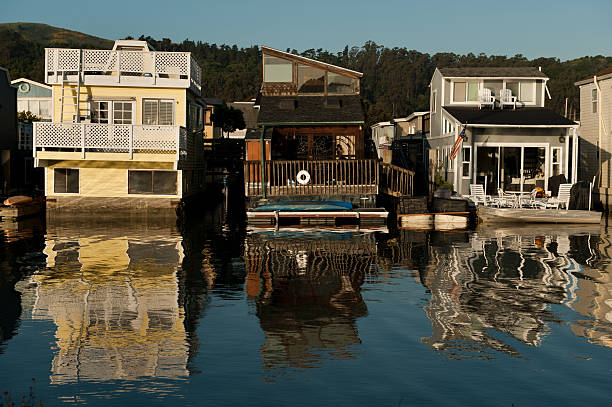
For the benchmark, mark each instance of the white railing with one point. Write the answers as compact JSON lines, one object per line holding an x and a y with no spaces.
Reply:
{"x":151,"y":64}
{"x":113,"y":138}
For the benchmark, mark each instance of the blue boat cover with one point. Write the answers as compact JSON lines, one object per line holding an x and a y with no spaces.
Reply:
{"x":304,"y":206}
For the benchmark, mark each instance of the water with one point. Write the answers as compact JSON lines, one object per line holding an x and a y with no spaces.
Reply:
{"x":213,"y":314}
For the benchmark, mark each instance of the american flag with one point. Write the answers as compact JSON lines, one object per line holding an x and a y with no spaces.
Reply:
{"x":457,"y":144}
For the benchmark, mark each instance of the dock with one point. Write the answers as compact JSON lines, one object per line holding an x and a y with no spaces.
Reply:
{"x":524,"y":215}
{"x":365,"y":216}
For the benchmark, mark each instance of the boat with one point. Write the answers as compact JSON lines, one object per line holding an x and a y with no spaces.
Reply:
{"x":303,"y":206}
{"x":435,"y":221}
{"x":526,"y":215}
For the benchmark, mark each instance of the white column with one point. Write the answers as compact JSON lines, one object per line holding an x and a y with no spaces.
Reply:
{"x":566,"y":156}
{"x":456,"y":182}
{"x":575,"y":156}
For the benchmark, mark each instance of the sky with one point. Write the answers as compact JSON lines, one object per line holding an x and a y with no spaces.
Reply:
{"x":533,"y":28}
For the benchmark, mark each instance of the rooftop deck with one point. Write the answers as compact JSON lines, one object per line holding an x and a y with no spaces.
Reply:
{"x":123,"y":68}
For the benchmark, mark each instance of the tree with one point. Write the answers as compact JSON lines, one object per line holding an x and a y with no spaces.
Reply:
{"x":228,"y":118}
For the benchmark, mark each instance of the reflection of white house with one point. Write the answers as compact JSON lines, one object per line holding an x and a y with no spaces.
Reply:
{"x":33,"y":97}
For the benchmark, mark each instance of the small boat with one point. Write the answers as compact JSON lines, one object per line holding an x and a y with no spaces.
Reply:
{"x":435,"y":221}
{"x":525,"y":215}
{"x":304,"y":206}
{"x":17,"y":200}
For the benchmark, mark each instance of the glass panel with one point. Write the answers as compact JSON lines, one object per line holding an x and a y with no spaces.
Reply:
{"x":487,"y":161}
{"x":164,"y":182}
{"x":65,"y":180}
{"x":99,"y":112}
{"x":527,"y":93}
{"x":277,"y":69}
{"x":45,"y":108}
{"x":472,"y":94}
{"x":510,"y":168}
{"x":514,"y":87}
{"x":140,"y":182}
{"x":166,"y":116}
{"x":59,"y":180}
{"x":72,"y":181}
{"x":337,"y":83}
{"x":310,"y":79}
{"x":533,"y":168}
{"x":459,"y":92}
{"x":149,"y":115}
{"x":494,"y":86}
{"x":34,"y":107}
{"x":22,"y":106}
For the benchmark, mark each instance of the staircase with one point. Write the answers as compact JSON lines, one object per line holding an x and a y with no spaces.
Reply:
{"x":70,"y":97}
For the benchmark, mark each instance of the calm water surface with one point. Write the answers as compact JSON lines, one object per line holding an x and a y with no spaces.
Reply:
{"x":213,"y":314}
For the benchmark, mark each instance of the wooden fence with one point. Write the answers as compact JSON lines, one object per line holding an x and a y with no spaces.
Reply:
{"x":326,"y":177}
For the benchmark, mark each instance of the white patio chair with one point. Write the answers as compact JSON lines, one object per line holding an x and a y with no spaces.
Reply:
{"x":506,"y":98}
{"x":562,"y":199}
{"x":532,"y":202}
{"x":506,"y":200}
{"x":485,"y":98}
{"x":478,"y":195}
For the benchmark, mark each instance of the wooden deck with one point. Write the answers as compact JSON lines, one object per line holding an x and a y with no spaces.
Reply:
{"x":369,"y":216}
{"x":509,"y":215}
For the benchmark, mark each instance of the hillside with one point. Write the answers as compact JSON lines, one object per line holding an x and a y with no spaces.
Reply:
{"x":52,"y":36}
{"x":395,"y":81}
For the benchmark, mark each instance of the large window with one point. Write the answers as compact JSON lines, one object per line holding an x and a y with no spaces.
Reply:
{"x":337,"y":83}
{"x":66,"y":181}
{"x":100,"y":112}
{"x":310,"y":79}
{"x":465,"y":91}
{"x":158,"y":111}
{"x":152,"y":182}
{"x":41,"y":108}
{"x":277,"y":69}
{"x":524,"y":91}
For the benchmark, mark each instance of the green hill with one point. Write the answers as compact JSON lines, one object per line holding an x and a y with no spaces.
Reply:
{"x":51,"y":36}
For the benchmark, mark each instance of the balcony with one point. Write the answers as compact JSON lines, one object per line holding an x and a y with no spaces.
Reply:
{"x":115,"y":142}
{"x":123,"y":68}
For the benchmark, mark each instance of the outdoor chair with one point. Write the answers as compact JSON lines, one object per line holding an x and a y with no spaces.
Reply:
{"x":506,"y":200}
{"x":532,"y":201}
{"x":562,"y":198}
{"x":478,"y":195}
{"x":485,"y":98}
{"x":506,"y":98}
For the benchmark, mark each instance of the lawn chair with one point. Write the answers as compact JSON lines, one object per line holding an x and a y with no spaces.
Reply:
{"x":485,"y":98}
{"x":506,"y":98}
{"x":478,"y":195}
{"x":532,"y":201}
{"x":506,"y":200}
{"x":562,"y":198}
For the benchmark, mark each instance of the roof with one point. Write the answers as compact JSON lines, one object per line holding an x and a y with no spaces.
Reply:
{"x":30,"y":81}
{"x":311,"y":110}
{"x":412,"y":116}
{"x":493,"y":72}
{"x":525,"y":116}
{"x":311,"y":61}
{"x":249,"y":113}
{"x":8,"y":75}
{"x":382,"y":124}
{"x":213,"y":101}
{"x":605,"y":74}
{"x":145,"y":46}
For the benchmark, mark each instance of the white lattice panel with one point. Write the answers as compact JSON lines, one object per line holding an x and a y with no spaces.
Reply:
{"x":172,"y":63}
{"x":51,"y":55}
{"x":57,"y":135}
{"x":68,"y":59}
{"x":99,"y":60}
{"x":111,"y":137}
{"x":159,"y":138}
{"x":196,"y":73}
{"x":132,"y":61}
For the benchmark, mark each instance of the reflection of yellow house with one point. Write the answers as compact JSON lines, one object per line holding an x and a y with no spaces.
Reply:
{"x":115,"y":302}
{"x":126,"y":127}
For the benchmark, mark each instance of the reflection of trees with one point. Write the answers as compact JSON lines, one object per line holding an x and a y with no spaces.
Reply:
{"x":488,"y":286}
{"x":307,"y":294}
{"x":113,"y":294}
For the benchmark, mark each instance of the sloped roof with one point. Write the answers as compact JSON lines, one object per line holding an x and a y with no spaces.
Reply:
{"x":249,"y":113}
{"x":311,"y":109}
{"x":493,"y":72}
{"x":310,"y":61}
{"x":604,"y":74}
{"x":525,"y":116}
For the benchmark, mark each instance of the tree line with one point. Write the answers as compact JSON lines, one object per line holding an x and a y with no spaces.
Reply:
{"x":395,"y":81}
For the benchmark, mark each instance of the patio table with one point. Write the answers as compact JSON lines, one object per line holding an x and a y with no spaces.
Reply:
{"x":519,"y":196}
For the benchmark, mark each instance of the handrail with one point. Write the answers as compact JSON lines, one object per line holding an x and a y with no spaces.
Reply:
{"x":326,"y":177}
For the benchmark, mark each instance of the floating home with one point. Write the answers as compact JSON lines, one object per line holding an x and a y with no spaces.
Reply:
{"x":512,"y":141}
{"x":126,"y":130}
{"x":310,"y":144}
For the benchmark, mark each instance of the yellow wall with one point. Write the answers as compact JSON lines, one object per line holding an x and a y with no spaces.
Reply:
{"x":89,"y":92}
{"x":103,"y":182}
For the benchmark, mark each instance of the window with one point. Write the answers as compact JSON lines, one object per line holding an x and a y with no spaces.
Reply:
{"x":594,"y":100}
{"x":158,"y":111}
{"x":152,"y":182}
{"x":100,"y":112}
{"x":556,"y":161}
{"x":40,"y":108}
{"x":111,"y":112}
{"x":208,"y":116}
{"x":465,"y":91}
{"x":466,"y":162}
{"x":277,"y":69}
{"x":524,"y":91}
{"x":337,"y":83}
{"x":310,"y":79}
{"x":434,"y":95}
{"x":122,"y":112}
{"x":65,"y":181}
{"x":448,"y":126}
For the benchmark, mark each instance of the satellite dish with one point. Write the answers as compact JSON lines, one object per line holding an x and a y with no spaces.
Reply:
{"x":24,"y":87}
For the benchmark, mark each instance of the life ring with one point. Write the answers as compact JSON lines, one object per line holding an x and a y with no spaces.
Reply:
{"x":303,"y":177}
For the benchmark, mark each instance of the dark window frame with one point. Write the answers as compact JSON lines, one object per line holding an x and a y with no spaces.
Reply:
{"x":155,"y":189}
{"x":67,"y":186}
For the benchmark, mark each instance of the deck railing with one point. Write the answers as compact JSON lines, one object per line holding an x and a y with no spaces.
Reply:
{"x":113,"y":138}
{"x":150,"y":67}
{"x":326,"y":177}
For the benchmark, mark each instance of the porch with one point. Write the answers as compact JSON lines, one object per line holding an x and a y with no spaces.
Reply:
{"x":326,"y":177}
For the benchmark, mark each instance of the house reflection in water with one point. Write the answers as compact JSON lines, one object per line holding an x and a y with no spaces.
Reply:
{"x":484,"y":284}
{"x":306,"y":287}
{"x":114,"y":295}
